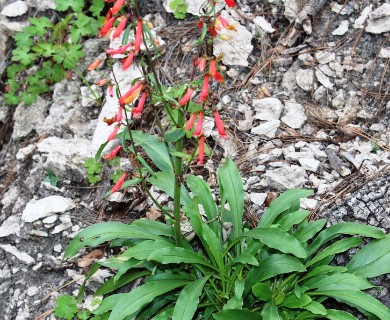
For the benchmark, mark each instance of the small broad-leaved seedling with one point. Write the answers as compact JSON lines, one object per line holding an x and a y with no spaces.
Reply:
{"x":204,"y":262}
{"x":46,"y":51}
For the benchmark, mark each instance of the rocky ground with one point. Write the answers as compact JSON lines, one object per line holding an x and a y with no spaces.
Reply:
{"x":303,"y":110}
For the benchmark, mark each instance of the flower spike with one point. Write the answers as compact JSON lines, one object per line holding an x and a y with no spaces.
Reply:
{"x":117,"y":6}
{"x":95,"y":64}
{"x":199,"y":125}
{"x":121,"y":26}
{"x":186,"y":98}
{"x":138,"y":110}
{"x":113,"y":153}
{"x":119,"y":115}
{"x":205,"y":88}
{"x":138,"y":36}
{"x":113,"y":133}
{"x":107,"y":26}
{"x":190,"y":122}
{"x":128,"y":61}
{"x":129,"y":93}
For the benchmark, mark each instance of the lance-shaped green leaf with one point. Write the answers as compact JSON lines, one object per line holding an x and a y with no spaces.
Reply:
{"x":338,"y":281}
{"x":277,"y":239}
{"x":293,"y":218}
{"x":372,"y":260}
{"x":232,"y":188}
{"x":235,"y":314}
{"x":178,"y":255}
{"x":105,"y":231}
{"x":282,"y":203}
{"x":135,"y":300}
{"x":213,"y":245}
{"x":188,"y":300}
{"x":339,"y":315}
{"x":308,"y":231}
{"x":143,"y":249}
{"x":358,"y":299}
{"x":337,"y":247}
{"x":350,"y":228}
{"x":270,"y":311}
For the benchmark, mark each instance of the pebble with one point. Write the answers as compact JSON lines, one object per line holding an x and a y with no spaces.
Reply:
{"x":379,"y":21}
{"x":324,"y":57}
{"x":21,"y":256}
{"x":258,"y":198}
{"x":267,"y":129}
{"x":10,"y":226}
{"x":323,"y":79}
{"x":309,"y":164}
{"x":15,"y":9}
{"x":286,"y":177}
{"x":305,"y":79}
{"x":259,"y":21}
{"x":342,"y":28}
{"x":267,"y":108}
{"x":294,"y":115}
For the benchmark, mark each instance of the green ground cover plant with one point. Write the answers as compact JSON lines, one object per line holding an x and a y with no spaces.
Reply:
{"x":203,"y":261}
{"x":46,"y":50}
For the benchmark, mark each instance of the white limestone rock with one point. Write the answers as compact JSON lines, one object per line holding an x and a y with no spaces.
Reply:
{"x":45,"y":207}
{"x":323,"y":79}
{"x":267,"y":129}
{"x":359,"y":22}
{"x":21,"y":256}
{"x":42,"y":4}
{"x":291,"y":9}
{"x":90,"y":95}
{"x":258,"y":198}
{"x":29,"y":118}
{"x":283,"y":178}
{"x":385,"y":53}
{"x":263,"y":24}
{"x":324,"y":57}
{"x":305,"y":79}
{"x":379,"y":21}
{"x":15,"y":9}
{"x":309,"y":164}
{"x":10,"y":226}
{"x":341,"y":29}
{"x":294,"y":115}
{"x":267,"y":108}
{"x":66,"y":157}
{"x":235,"y":51}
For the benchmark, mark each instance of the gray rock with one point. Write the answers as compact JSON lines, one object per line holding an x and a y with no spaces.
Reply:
{"x":359,"y":22}
{"x":294,"y":115}
{"x":235,"y":51}
{"x":323,"y":79}
{"x":295,"y":156}
{"x":291,"y":9}
{"x":341,"y":29}
{"x":29,"y":118}
{"x":263,"y":24}
{"x":90,"y":96}
{"x":65,"y":157}
{"x":3,"y":110}
{"x":324,"y":57}
{"x":338,"y":101}
{"x":267,"y":108}
{"x":379,"y":21}
{"x":286,"y":177}
{"x":258,"y":198}
{"x":42,"y":208}
{"x":246,"y":124}
{"x":267,"y":129}
{"x":305,"y":79}
{"x":15,"y":9}
{"x":21,"y":256}
{"x":385,"y":53}
{"x":310,"y":164}
{"x":42,"y":4}
{"x":10,"y":226}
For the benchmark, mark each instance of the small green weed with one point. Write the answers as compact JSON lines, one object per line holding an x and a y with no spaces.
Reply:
{"x":46,"y":51}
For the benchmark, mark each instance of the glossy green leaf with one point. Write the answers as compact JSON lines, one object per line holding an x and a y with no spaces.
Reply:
{"x":372,"y":260}
{"x":308,"y":231}
{"x":201,"y":189}
{"x":164,"y":315}
{"x":337,"y":247}
{"x":102,"y":232}
{"x":188,"y":300}
{"x":174,"y":134}
{"x":232,"y":188}
{"x":111,"y":285}
{"x":213,"y":245}
{"x":246,"y":258}
{"x":350,"y":228}
{"x":270,"y":311}
{"x":154,"y":227}
{"x":155,"y":149}
{"x":293,"y":302}
{"x":234,"y":314}
{"x":178,"y":255}
{"x":316,"y":308}
{"x":358,"y":299}
{"x":166,"y":181}
{"x":338,"y":281}
{"x":262,"y":291}
{"x":109,"y":303}
{"x":339,"y":315}
{"x":321,"y":270}
{"x":135,"y":300}
{"x":277,"y":239}
{"x":143,"y":249}
{"x":282,"y":203}
{"x":293,"y":218}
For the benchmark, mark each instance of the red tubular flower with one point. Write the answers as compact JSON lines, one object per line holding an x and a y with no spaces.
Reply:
{"x":113,"y":133}
{"x":219,"y":124}
{"x":213,"y":68}
{"x":213,"y":31}
{"x":101,"y":82}
{"x":128,"y":61}
{"x":107,"y":26}
{"x":108,"y":16}
{"x":119,"y":115}
{"x":186,"y":98}
{"x":230,"y":3}
{"x":138,"y":36}
{"x":121,"y":26}
{"x":199,"y":125}
{"x":111,"y":90}
{"x":201,"y":63}
{"x":94,"y":64}
{"x":201,"y":150}
{"x":205,"y":88}
{"x":117,"y":6}
{"x":113,"y":153}
{"x":190,"y":122}
{"x":226,"y":24}
{"x":138,"y":110}
{"x":119,"y":184}
{"x":219,"y":77}
{"x":120,"y":50}
{"x":129,"y":93}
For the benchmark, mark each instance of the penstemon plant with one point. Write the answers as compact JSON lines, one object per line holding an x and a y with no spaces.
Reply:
{"x":204,"y":262}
